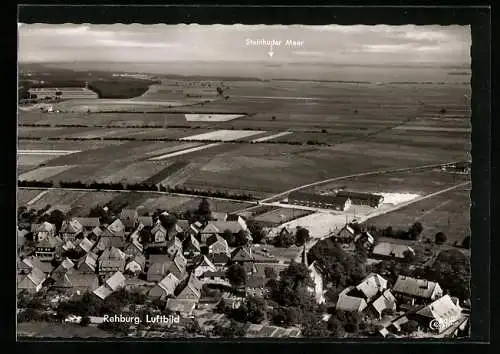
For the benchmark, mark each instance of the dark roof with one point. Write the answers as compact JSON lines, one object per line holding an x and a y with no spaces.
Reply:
{"x":89,"y":222}
{"x":219,"y":258}
{"x":317,"y":198}
{"x":360,"y":196}
{"x":241,"y":254}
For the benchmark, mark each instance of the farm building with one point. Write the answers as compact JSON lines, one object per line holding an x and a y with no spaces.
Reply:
{"x":88,"y":263}
{"x":217,"y":244}
{"x":183,"y":307}
{"x":32,"y":282}
{"x":416,"y":291}
{"x":189,"y":289}
{"x":349,"y":303}
{"x":35,"y":262}
{"x":386,"y":301}
{"x":47,"y":249}
{"x":136,"y":265}
{"x":202,"y":265}
{"x":439,"y":315}
{"x":345,"y":235}
{"x":129,"y":218}
{"x":165,"y":287}
{"x":89,"y":223}
{"x":191,"y":247}
{"x":389,"y":251}
{"x":112,"y":284}
{"x":70,"y":229}
{"x":111,"y":260}
{"x":76,"y":281}
{"x":340,"y":203}
{"x":219,"y":227}
{"x":43,"y":231}
{"x":85,"y":245}
{"x":244,"y":257}
{"x":256,"y":286}
{"x":356,"y":198}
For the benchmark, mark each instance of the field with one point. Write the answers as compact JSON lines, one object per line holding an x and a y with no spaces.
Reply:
{"x":280,"y":215}
{"x":365,"y":127}
{"x":415,"y":182}
{"x":448,"y":212}
{"x":59,"y":330}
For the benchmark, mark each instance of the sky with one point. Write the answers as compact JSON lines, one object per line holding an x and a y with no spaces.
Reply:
{"x":137,"y":43}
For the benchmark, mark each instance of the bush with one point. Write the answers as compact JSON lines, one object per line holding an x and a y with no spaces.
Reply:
{"x":440,"y":238}
{"x":410,"y":326}
{"x":85,"y":321}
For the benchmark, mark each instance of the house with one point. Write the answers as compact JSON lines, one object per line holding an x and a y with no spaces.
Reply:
{"x":107,"y":240}
{"x":43,"y":231}
{"x":370,"y":287}
{"x":87,"y":264}
{"x":202,"y":265}
{"x":95,"y":233}
{"x":372,"y":200}
{"x":35,"y":262}
{"x":189,"y":289}
{"x":70,"y":229}
{"x":174,"y":246}
{"x":113,"y":283}
{"x":21,"y":238}
{"x":112,"y":260}
{"x":350,"y":303}
{"x":220,"y":227}
{"x":145,"y":221}
{"x":191,"y":247}
{"x":183,"y":307}
{"x":85,"y":245}
{"x":340,"y":203}
{"x":389,"y":251}
{"x":89,"y":223}
{"x":243,"y":256}
{"x":68,"y":245}
{"x":78,"y":282}
{"x":317,"y":277}
{"x":47,"y":249}
{"x":218,"y":216}
{"x":165,"y":287}
{"x":217,"y":277}
{"x":64,"y":266}
{"x":345,"y":235}
{"x":220,"y":260}
{"x":217,"y":244}
{"x":386,"y":301}
{"x":134,"y":248}
{"x":31,"y":282}
{"x":136,"y":265}
{"x":256,"y":286}
{"x":129,"y":218}
{"x":365,"y":240}
{"x":116,"y":228}
{"x":159,"y":233}
{"x":439,"y":315}
{"x":195,"y":228}
{"x":22,"y":267}
{"x":416,"y":291}
{"x":162,"y":265}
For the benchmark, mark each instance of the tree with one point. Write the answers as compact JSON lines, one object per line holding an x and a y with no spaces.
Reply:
{"x":167,"y":221}
{"x":229,"y":237}
{"x":335,"y":326}
{"x":415,"y":230}
{"x":409,"y":327}
{"x":440,"y":238}
{"x":85,"y":321}
{"x":220,"y":91}
{"x":204,"y":208}
{"x":256,"y":230}
{"x":56,"y":217}
{"x":253,"y":310}
{"x":236,"y":275}
{"x":301,"y":236}
{"x":270,"y":273}
{"x":451,"y":270}
{"x":284,"y":239}
{"x":340,"y":268}
{"x":241,"y":238}
{"x":313,"y":325}
{"x":292,"y":287}
{"x":466,"y":242}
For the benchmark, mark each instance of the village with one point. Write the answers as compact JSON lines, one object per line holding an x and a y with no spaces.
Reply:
{"x":216,"y":274}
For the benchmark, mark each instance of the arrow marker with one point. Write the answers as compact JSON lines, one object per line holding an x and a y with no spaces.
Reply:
{"x":271,"y":53}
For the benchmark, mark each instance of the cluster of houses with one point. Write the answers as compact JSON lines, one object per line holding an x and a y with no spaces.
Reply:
{"x":174,"y":261}
{"x":422,"y":301}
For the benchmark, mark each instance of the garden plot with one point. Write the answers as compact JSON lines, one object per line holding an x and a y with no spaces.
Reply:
{"x":136,"y":172}
{"x":176,"y":147}
{"x":212,"y":117}
{"x":45,"y":172}
{"x":183,"y":152}
{"x":319,"y":224}
{"x":223,"y":135}
{"x":270,"y":137}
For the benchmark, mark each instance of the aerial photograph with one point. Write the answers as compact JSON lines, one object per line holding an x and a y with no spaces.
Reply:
{"x":189,"y":181}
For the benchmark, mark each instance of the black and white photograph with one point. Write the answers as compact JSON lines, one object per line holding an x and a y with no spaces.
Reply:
{"x":244,"y":181}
